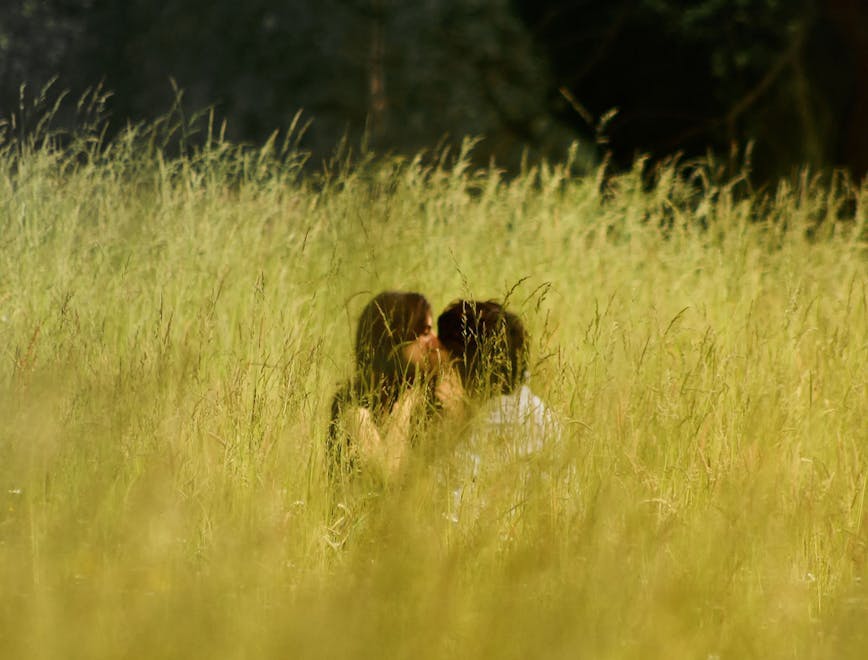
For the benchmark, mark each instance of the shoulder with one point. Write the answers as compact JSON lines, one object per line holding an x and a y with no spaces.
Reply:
{"x":528,"y":401}
{"x":348,"y":407}
{"x":525,"y":413}
{"x":519,"y":405}
{"x":544,"y":420}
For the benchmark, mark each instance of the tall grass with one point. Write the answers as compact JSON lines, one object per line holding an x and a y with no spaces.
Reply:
{"x":172,"y":328}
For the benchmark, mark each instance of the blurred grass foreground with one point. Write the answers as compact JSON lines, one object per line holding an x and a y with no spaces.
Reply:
{"x":173,"y":327}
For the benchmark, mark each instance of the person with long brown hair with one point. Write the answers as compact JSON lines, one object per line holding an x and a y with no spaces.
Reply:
{"x":397,"y":356}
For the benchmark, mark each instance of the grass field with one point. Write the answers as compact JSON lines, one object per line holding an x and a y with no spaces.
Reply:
{"x":172,"y":329}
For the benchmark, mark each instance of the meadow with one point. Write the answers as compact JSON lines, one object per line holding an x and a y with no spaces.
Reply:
{"x":172,"y":329}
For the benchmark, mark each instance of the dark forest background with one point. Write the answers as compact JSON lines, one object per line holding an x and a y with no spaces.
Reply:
{"x":625,"y":77}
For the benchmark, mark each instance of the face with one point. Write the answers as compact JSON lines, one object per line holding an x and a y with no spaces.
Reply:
{"x":424,"y":351}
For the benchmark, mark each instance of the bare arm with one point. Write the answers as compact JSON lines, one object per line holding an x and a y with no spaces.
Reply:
{"x":382,"y":450}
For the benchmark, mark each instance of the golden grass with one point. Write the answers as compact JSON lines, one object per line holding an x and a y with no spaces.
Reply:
{"x":171,"y":331}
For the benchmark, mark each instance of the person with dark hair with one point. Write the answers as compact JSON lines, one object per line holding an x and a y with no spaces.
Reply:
{"x":488,"y":344}
{"x":489,"y":348}
{"x":509,"y":424}
{"x":396,"y":360}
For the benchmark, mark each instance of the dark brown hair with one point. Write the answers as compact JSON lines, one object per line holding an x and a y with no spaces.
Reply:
{"x":390,"y":321}
{"x":488,"y":342}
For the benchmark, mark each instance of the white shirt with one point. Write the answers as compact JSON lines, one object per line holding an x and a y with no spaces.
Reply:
{"x":508,"y":428}
{"x":523,"y":419}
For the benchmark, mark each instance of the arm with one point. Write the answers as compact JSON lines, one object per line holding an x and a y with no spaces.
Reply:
{"x":382,"y":450}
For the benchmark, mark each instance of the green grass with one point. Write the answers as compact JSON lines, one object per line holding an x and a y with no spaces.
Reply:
{"x":171,"y":331}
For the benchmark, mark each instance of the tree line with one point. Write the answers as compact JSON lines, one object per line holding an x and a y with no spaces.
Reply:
{"x":624,"y":77}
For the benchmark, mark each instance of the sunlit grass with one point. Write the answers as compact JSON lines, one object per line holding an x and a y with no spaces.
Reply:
{"x":171,"y":331}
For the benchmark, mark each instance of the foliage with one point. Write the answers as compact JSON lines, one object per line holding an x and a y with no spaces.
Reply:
{"x":531,"y":77}
{"x":406,"y":75}
{"x":693,"y":76}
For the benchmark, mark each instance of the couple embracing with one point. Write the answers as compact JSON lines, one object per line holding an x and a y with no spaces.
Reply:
{"x":468,"y":377}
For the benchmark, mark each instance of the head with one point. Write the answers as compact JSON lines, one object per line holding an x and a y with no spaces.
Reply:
{"x":488,"y":343}
{"x":394,"y":339}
